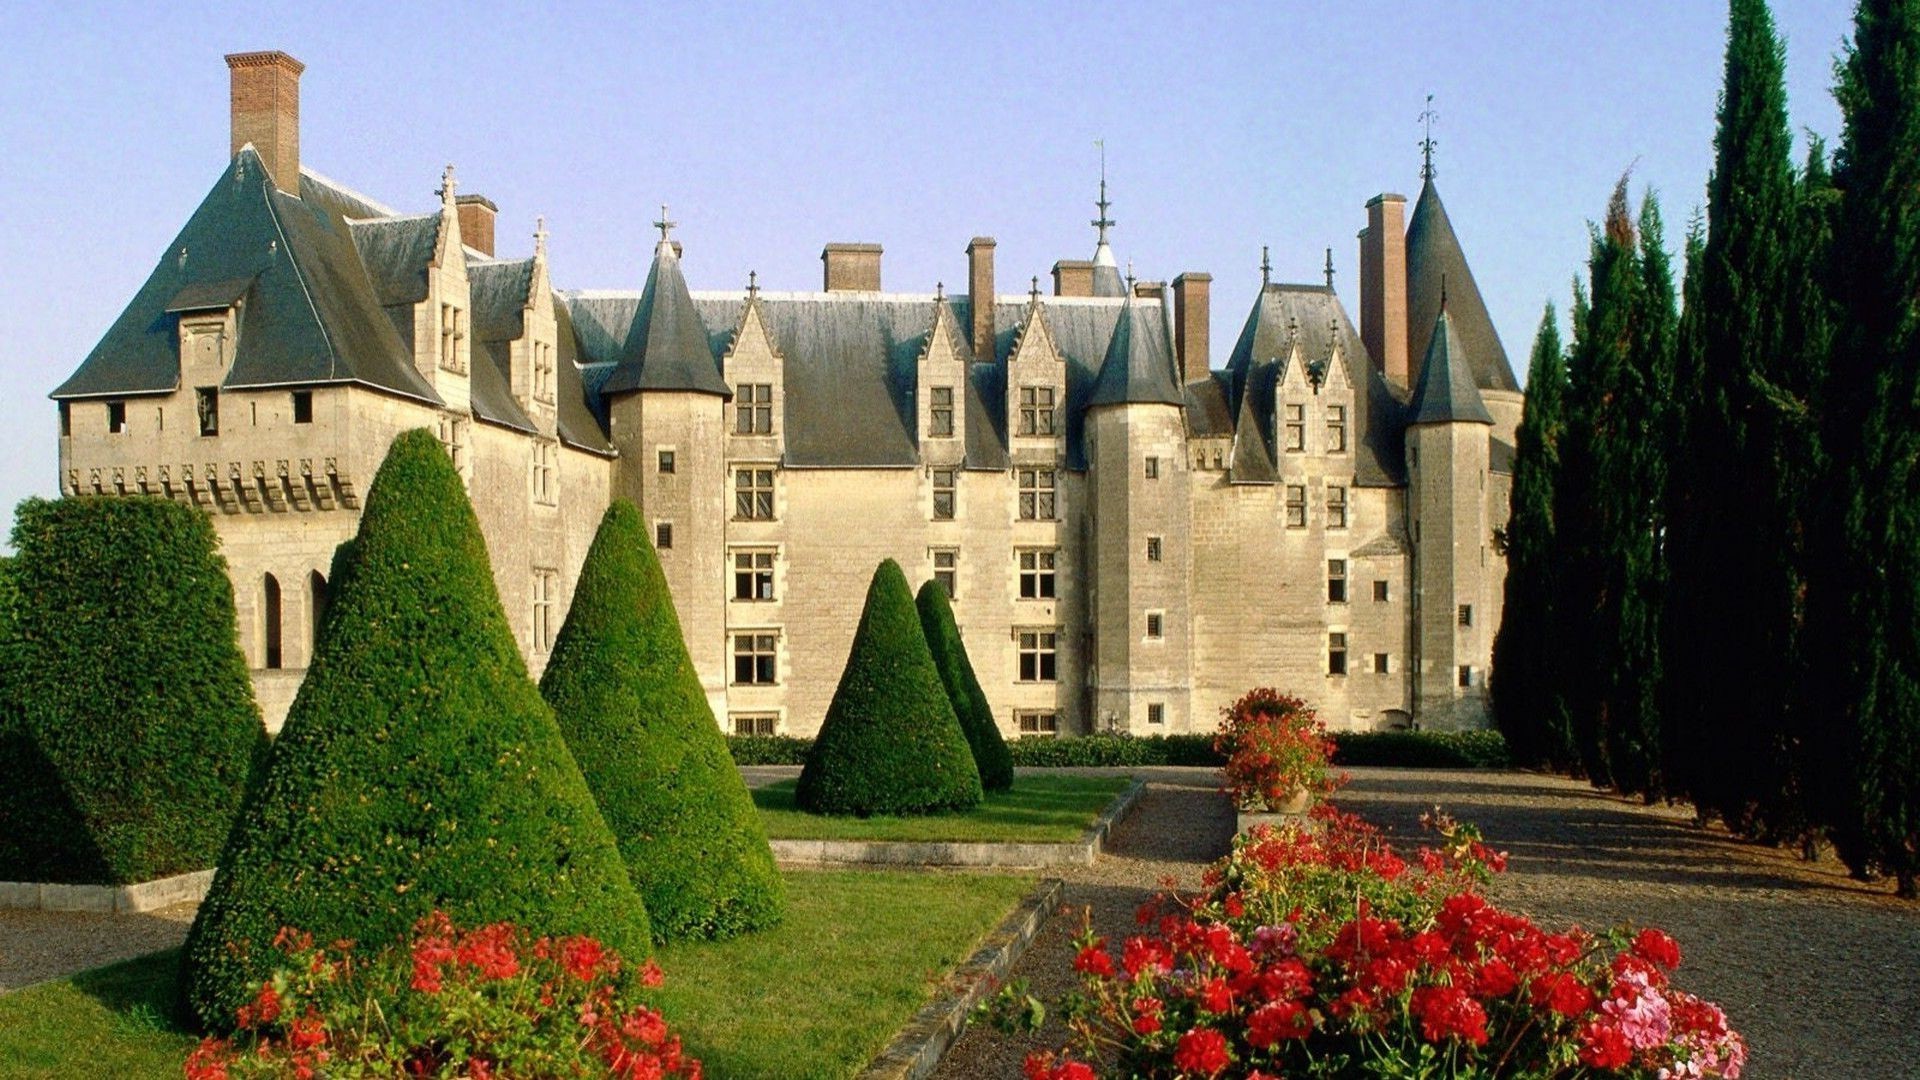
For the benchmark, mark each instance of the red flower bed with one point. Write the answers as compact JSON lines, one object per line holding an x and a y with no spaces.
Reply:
{"x":480,"y":1003}
{"x":1275,"y":749}
{"x":1323,"y":953}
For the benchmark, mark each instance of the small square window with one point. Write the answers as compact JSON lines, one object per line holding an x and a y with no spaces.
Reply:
{"x":753,"y":494}
{"x":116,"y":417}
{"x":303,"y":406}
{"x":753,"y":409}
{"x":1153,"y":549}
{"x":1156,"y":713}
{"x":666,"y":461}
{"x":1038,"y":723}
{"x":663,"y":535}
{"x":1037,"y":574}
{"x":1336,"y":654}
{"x":943,"y":494}
{"x":1296,"y":506}
{"x":1336,"y":507}
{"x":946,"y":571}
{"x":1382,"y":663}
{"x":1153,"y":468}
{"x":1036,"y":410}
{"x":754,"y":656}
{"x":1036,"y":489}
{"x":940,"y":414}
{"x":1336,"y":429}
{"x":1380,"y":593}
{"x":753,"y":575}
{"x":1466,"y":675}
{"x":1296,"y":428}
{"x":755,"y":723}
{"x":1155,"y":625}
{"x":1039,"y":655}
{"x":1466,"y":614}
{"x":1336,"y":581}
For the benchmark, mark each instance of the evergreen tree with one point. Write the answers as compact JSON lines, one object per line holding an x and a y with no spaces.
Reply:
{"x":631,"y":707}
{"x":990,"y":751}
{"x":1728,"y":646}
{"x":418,"y":770}
{"x":1870,"y":772}
{"x":890,"y":743}
{"x":1527,"y":702}
{"x":1680,"y":758}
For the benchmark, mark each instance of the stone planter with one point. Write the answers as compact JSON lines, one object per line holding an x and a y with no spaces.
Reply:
{"x":1293,"y":811}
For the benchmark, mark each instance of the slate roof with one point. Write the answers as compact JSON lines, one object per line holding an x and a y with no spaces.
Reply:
{"x":1208,"y":413}
{"x":1254,"y":369}
{"x":667,"y":347}
{"x":396,"y":252}
{"x":1138,"y":366}
{"x":498,"y":294}
{"x":1435,"y":264}
{"x":1446,"y":393}
{"x":309,"y":313}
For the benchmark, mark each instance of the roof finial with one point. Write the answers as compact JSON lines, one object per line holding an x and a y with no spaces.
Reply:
{"x":1033,"y":295}
{"x":540,"y":237}
{"x":753,"y":284}
{"x":1427,"y":144}
{"x":1103,"y":222}
{"x":1443,"y":294}
{"x":1293,"y":329}
{"x":939,"y":291}
{"x":1266,"y":268}
{"x":665,"y":225}
{"x":447,"y":184}
{"x":1329,"y":269}
{"x":1129,"y":277}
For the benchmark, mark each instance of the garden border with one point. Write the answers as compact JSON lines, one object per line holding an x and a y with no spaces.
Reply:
{"x":1081,"y":852}
{"x":105,"y":899}
{"x":917,"y":1049}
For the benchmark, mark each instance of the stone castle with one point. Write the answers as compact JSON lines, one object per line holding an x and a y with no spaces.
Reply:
{"x":1131,"y":537}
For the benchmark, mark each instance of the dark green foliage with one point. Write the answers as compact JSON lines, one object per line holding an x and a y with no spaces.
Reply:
{"x":631,"y":707}
{"x":1869,"y":769}
{"x":418,"y":769}
{"x":1402,"y":749}
{"x":1421,"y":749}
{"x":1527,"y":703}
{"x":1047,"y":751}
{"x":128,"y":729}
{"x":963,"y":688}
{"x":890,"y":743}
{"x":768,"y":749}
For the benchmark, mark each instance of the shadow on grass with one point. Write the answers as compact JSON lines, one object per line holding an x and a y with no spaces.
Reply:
{"x":142,"y":993}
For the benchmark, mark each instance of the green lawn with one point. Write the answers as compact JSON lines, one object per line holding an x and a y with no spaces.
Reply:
{"x":816,"y":997}
{"x":1039,"y":809}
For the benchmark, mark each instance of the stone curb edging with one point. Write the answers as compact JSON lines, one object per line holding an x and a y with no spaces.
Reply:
{"x":1081,"y":852}
{"x":918,"y":1048}
{"x":105,"y":899}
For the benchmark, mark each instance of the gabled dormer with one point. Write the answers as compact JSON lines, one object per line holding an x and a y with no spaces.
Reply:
{"x":1295,"y":390}
{"x":536,"y":355}
{"x":443,"y":319}
{"x":1333,"y":414}
{"x":1036,"y":381}
{"x":755,"y":369}
{"x":941,"y":374}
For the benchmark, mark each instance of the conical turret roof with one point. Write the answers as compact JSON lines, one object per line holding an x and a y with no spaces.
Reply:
{"x":1138,"y":368}
{"x":1446,"y":394}
{"x":1438,"y":276}
{"x":668,"y":347}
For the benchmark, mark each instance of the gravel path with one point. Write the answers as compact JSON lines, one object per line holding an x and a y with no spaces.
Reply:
{"x":1821,"y":973}
{"x":39,"y":945}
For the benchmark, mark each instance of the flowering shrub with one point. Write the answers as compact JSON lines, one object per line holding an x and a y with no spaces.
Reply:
{"x":478,"y":1003}
{"x":1320,"y":952}
{"x":1275,"y":750}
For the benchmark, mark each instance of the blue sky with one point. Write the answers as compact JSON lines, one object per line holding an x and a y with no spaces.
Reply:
{"x":773,"y":129}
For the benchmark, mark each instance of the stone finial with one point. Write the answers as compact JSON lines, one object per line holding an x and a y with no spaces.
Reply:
{"x":1033,"y":294}
{"x":753,"y":284}
{"x":540,"y":237}
{"x":1266,"y":267}
{"x":447,"y":185}
{"x":665,"y":224}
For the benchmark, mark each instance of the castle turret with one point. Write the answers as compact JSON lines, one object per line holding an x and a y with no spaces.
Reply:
{"x":1447,"y":455}
{"x":1139,"y":537}
{"x":1438,"y":277}
{"x":667,"y":414}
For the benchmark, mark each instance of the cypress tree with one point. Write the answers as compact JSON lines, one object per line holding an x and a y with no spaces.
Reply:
{"x":1727,"y":646}
{"x":990,"y":751}
{"x":890,"y":743}
{"x":1682,"y":758}
{"x":631,"y":707}
{"x":1527,"y":704}
{"x":418,"y":770}
{"x":1870,"y":774}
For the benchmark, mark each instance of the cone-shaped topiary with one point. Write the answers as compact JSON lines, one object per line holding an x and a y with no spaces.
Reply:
{"x":419,"y":768}
{"x":630,"y":705}
{"x":128,"y":729}
{"x":990,"y":752}
{"x":891,"y":743}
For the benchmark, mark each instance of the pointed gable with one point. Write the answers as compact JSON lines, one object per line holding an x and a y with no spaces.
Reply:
{"x":667,"y":347}
{"x":1138,"y":368}
{"x":1446,"y":394}
{"x":1436,"y":266}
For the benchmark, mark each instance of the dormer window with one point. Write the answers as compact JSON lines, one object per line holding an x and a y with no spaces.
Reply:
{"x":940,"y":424}
{"x":1036,"y":410}
{"x":1336,"y":429}
{"x":453,"y":330}
{"x":543,"y":372}
{"x":1296,"y":428}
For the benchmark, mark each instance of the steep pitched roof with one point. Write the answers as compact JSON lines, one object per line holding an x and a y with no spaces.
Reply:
{"x":396,"y":252}
{"x":1436,"y":265}
{"x":573,"y":407}
{"x":309,"y":314}
{"x":667,"y":347}
{"x":1446,"y":394}
{"x":1138,"y":366}
{"x":498,"y":293}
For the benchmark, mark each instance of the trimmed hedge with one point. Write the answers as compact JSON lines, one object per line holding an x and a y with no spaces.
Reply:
{"x":1402,"y":749}
{"x":419,"y":768}
{"x":768,"y":749}
{"x":128,"y":730}
{"x":891,"y":743}
{"x":963,"y":688}
{"x":1111,"y":749}
{"x":631,"y":707}
{"x":1422,"y":749}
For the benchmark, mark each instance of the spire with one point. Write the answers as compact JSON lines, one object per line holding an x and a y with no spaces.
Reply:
{"x":1427,"y":144}
{"x":1446,"y":394}
{"x":667,"y":346}
{"x":1436,"y":265}
{"x":1103,"y":222}
{"x":1106,"y":270}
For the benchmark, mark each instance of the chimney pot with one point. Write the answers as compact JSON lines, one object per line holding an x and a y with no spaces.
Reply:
{"x":980,"y":295}
{"x":477,"y":214}
{"x":1192,"y":324}
{"x":1073,"y":277}
{"x":851,"y":267}
{"x":1383,"y":285}
{"x":265,"y":98}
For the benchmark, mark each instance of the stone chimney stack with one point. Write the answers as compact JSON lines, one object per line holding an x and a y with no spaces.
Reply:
{"x":1192,"y":325}
{"x":476,"y":222}
{"x":851,"y":267}
{"x":1383,"y":285}
{"x":980,"y":295}
{"x":1073,"y":277}
{"x":266,"y":112}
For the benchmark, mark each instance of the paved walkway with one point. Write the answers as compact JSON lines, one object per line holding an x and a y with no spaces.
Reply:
{"x":1821,"y":973}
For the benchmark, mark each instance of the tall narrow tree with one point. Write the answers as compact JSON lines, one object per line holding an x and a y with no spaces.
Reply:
{"x":1728,"y":676}
{"x":1871,"y":775}
{"x":1681,"y":759}
{"x":1527,"y":704}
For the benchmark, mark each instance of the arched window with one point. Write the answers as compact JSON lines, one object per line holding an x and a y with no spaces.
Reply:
{"x":270,"y":607}
{"x":317,"y":609}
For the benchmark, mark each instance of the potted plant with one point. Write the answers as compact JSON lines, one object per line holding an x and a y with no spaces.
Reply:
{"x":1278,"y":755}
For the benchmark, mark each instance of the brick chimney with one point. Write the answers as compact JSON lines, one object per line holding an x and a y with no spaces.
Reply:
{"x":851,"y":267}
{"x":1192,"y":325}
{"x":1383,"y":285}
{"x":266,"y":112}
{"x":1073,"y":277}
{"x":980,"y":295}
{"x":476,"y":222}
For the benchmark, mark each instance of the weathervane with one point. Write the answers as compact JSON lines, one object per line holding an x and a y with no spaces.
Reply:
{"x":664,"y":224}
{"x":1103,"y":222}
{"x":1427,"y":120}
